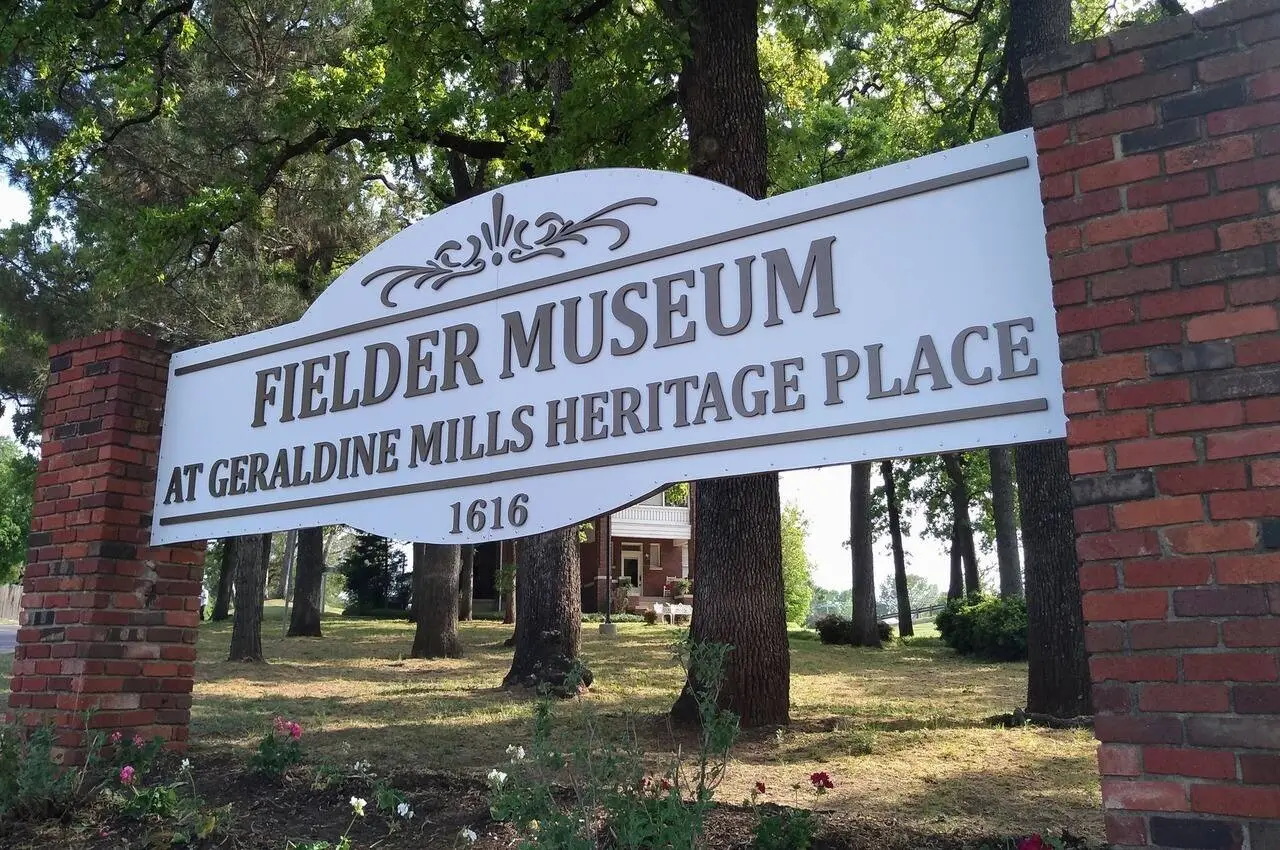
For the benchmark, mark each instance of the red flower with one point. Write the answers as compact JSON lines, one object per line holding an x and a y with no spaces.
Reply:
{"x":666,"y":786}
{"x":1033,"y":842}
{"x":822,"y":782}
{"x":759,"y":787}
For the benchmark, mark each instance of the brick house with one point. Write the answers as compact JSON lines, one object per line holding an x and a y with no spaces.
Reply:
{"x":650,"y":543}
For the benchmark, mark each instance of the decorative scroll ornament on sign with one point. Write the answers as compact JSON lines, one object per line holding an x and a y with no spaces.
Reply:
{"x":504,"y":238}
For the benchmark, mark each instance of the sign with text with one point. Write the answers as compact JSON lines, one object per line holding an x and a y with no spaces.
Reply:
{"x":561,"y":347}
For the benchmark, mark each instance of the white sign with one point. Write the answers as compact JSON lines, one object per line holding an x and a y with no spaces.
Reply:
{"x":551,"y":351}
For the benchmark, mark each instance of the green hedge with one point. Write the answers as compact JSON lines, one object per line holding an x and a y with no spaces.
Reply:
{"x":986,"y":626}
{"x":834,"y":629}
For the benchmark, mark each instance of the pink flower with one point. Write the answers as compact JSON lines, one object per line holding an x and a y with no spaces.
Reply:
{"x":295,"y":730}
{"x":1033,"y":842}
{"x":127,"y":775}
{"x":822,"y":782}
{"x":278,"y":723}
{"x":116,"y":737}
{"x":138,"y":742}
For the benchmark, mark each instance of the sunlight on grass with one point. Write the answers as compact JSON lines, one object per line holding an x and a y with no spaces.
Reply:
{"x":901,"y":730}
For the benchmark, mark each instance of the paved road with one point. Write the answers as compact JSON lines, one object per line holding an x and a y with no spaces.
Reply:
{"x":8,"y":638}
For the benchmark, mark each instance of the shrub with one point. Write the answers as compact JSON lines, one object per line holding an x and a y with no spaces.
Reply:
{"x":650,"y":616}
{"x":279,"y":749}
{"x":360,"y":610}
{"x":834,"y":629}
{"x":617,"y":618}
{"x":986,"y":626}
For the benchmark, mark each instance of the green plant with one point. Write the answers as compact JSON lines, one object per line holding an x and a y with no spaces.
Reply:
{"x":279,"y":749}
{"x":986,"y":626}
{"x":682,"y":586}
{"x":835,"y":629}
{"x":650,"y":616}
{"x":784,"y":829}
{"x":616,"y":801}
{"x":33,"y":785}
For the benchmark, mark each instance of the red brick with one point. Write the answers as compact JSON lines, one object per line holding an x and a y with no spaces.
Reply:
{"x":1074,"y":319}
{"x":1130,"y":280}
{"x":1219,"y":601}
{"x":1166,"y":189}
{"x":1265,"y":473}
{"x":1134,"y":668}
{"x":1249,"y":503}
{"x":1251,"y":173}
{"x":1045,"y":88}
{"x":1167,"y":572}
{"x":1117,"y":544}
{"x":1125,"y":830}
{"x":1126,"y":225}
{"x":1259,"y":769}
{"x":1262,"y":410}
{"x":1097,"y":577}
{"x":1118,"y":172}
{"x":1181,"y":761}
{"x":1093,"y":518}
{"x":1161,"y":451}
{"x":1181,"y":244}
{"x":1119,"y":760}
{"x":1077,"y":156}
{"x":1218,"y":207}
{"x":1065,"y":238}
{"x":1254,"y":352}
{"x":1239,"y":800}
{"x":1084,"y":263}
{"x":1249,"y":320}
{"x":1082,"y":206}
{"x":1085,"y":461}
{"x":1096,"y":74}
{"x":1208,"y":154}
{"x":1174,"y":634}
{"x":1257,"y":441}
{"x":1154,"y":393}
{"x":1103,"y":637}
{"x":1265,"y":85}
{"x":1259,"y":290}
{"x":1104,"y":370}
{"x":1169,"y":510}
{"x":1057,"y":186}
{"x":1223,"y":537}
{"x":1261,"y":57}
{"x":1199,"y":417}
{"x":1263,"y":568}
{"x":1184,"y":698}
{"x":1104,"y":429}
{"x":1115,"y":121}
{"x":1252,"y":631}
{"x":1242,"y":234}
{"x":1144,"y":796}
{"x":1125,"y":605}
{"x":1230,"y":667}
{"x":1244,"y":118}
{"x":1080,"y":401}
{"x":1055,"y":136}
{"x":1257,"y":699}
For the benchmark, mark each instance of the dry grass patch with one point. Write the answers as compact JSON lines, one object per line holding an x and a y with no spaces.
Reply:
{"x":901,"y":730}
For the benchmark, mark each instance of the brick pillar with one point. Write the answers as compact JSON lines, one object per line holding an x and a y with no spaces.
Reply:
{"x":108,"y":624}
{"x":1159,"y":159}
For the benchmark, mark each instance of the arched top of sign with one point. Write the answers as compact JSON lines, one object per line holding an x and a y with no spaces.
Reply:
{"x":560,"y":347}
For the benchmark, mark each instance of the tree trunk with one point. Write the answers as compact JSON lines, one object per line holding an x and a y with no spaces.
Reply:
{"x":905,"y":629}
{"x":1003,"y":495}
{"x":308,"y":584}
{"x":738,"y":598}
{"x":509,"y":592}
{"x":738,"y":592}
{"x":435,"y":601}
{"x":549,"y":629}
{"x":282,"y":578}
{"x":1057,"y":669}
{"x":866,"y":631}
{"x":955,"y":590}
{"x":466,"y":584}
{"x":251,"y":583}
{"x":226,"y":579}
{"x":963,"y":525}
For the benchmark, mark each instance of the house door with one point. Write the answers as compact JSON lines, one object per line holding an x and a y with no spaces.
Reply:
{"x":631,"y":566}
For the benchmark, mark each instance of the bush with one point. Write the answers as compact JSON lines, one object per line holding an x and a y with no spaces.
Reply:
{"x":373,"y":613}
{"x":986,"y":626}
{"x":650,"y":617}
{"x":616,"y":618}
{"x":834,"y":629}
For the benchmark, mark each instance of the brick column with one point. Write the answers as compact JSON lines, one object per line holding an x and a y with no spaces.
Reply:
{"x":108,"y":624}
{"x":1159,"y":159}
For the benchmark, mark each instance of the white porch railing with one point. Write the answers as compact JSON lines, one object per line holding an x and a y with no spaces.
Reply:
{"x":652,"y":521}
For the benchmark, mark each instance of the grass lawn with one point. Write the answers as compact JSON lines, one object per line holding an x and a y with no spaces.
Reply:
{"x":900,"y":730}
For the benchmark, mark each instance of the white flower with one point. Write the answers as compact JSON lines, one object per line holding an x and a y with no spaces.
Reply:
{"x":468,"y":835}
{"x":186,"y":764}
{"x":357,"y":806}
{"x":516,"y":753}
{"x":496,"y":778}
{"x":404,"y":811}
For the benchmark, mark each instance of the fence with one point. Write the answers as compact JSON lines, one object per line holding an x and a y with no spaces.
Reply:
{"x":10,"y":601}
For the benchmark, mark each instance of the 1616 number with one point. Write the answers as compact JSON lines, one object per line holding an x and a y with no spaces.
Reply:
{"x":481,"y":514}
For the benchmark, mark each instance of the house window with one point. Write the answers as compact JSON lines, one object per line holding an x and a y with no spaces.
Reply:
{"x":655,"y":556}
